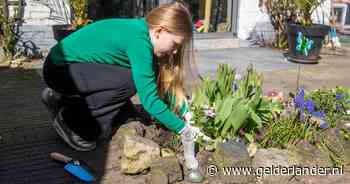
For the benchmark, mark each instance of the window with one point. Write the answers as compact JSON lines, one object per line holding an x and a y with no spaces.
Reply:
{"x":342,"y":16}
{"x":211,"y":15}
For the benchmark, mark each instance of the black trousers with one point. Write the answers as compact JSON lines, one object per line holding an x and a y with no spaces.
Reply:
{"x":94,"y":96}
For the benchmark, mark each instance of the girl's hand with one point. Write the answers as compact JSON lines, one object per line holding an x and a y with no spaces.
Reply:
{"x":194,"y":130}
{"x":192,"y":133}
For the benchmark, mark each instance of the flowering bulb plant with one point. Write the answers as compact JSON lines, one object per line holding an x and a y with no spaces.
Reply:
{"x":335,"y":103}
{"x":232,"y":106}
{"x":310,"y":114}
{"x":308,"y":107}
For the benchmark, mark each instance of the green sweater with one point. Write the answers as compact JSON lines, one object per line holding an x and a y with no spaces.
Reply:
{"x":123,"y":42}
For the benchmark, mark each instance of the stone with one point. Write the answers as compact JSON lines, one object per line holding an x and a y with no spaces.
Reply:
{"x":204,"y":159}
{"x":152,"y":133}
{"x":331,"y":179}
{"x":166,"y":152}
{"x":158,"y":177}
{"x":118,"y":139}
{"x":232,"y":154}
{"x":337,"y":145}
{"x":137,"y":126}
{"x":343,"y":126}
{"x":133,"y":128}
{"x":269,"y":158}
{"x":161,"y":136}
{"x":164,"y":138}
{"x":166,"y":170}
{"x":138,"y":154}
{"x":252,"y":149}
{"x":306,"y":154}
{"x":117,"y":142}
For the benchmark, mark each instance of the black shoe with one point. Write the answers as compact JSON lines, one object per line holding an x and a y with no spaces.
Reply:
{"x":51,"y":100}
{"x":71,"y":138}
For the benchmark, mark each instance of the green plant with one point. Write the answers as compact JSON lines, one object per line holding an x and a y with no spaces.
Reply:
{"x":305,"y":8}
{"x":289,"y":129}
{"x":309,"y":120}
{"x":228,"y":107}
{"x":7,"y":34}
{"x":80,"y":8}
{"x":281,"y":12}
{"x":334,"y":102}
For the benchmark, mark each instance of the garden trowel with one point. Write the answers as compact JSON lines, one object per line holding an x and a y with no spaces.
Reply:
{"x":75,"y":167}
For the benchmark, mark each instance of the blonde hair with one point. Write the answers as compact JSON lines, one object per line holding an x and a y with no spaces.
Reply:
{"x":176,"y":19}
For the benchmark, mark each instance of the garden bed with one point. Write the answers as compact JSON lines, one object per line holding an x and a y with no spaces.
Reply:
{"x":253,"y":130}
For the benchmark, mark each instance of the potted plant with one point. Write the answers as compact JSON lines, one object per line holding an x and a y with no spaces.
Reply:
{"x":280,"y":12}
{"x":79,"y":19}
{"x":305,"y":39}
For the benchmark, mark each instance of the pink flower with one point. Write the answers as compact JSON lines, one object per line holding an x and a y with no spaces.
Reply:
{"x":209,"y":111}
{"x":241,"y":132}
{"x":275,"y":96}
{"x":198,"y":24}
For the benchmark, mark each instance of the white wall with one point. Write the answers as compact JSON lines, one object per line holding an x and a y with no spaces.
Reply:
{"x":249,"y":15}
{"x":321,"y":15}
{"x":251,"y":18}
{"x":46,"y":12}
{"x":36,"y":32}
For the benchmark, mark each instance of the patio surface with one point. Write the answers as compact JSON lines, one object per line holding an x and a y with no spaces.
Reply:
{"x":27,"y":138}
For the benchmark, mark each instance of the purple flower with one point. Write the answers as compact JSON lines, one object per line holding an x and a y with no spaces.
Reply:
{"x":319,"y":114}
{"x":299,"y":103}
{"x":310,"y":106}
{"x":337,"y":107}
{"x":241,"y":132}
{"x":339,"y":96}
{"x":258,"y":136}
{"x":234,"y":86}
{"x":269,"y":142}
{"x":299,"y":99}
{"x":323,"y":124}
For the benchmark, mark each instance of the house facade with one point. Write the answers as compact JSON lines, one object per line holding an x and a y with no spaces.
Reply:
{"x":230,"y":21}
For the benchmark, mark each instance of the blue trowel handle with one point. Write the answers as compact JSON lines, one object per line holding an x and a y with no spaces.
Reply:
{"x":60,"y":157}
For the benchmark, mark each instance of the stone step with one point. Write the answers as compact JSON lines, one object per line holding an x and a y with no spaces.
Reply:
{"x":216,"y":43}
